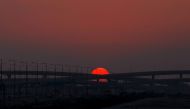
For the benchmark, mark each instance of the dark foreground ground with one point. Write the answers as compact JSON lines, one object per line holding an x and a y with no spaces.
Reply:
{"x":156,"y":103}
{"x":122,"y":101}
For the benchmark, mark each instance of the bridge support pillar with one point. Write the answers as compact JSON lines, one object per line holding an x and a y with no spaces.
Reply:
{"x":9,"y":76}
{"x":181,"y":76}
{"x":153,"y":77}
{"x":152,"y":83}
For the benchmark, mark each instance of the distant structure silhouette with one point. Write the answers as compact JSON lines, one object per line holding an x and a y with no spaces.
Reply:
{"x":35,"y":81}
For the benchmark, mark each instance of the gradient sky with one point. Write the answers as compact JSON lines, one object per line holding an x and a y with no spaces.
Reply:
{"x":122,"y":35}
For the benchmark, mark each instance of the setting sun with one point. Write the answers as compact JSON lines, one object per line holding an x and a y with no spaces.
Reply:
{"x":100,"y":71}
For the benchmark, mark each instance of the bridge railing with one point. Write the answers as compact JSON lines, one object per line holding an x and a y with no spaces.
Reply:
{"x":31,"y":81}
{"x":34,"y":81}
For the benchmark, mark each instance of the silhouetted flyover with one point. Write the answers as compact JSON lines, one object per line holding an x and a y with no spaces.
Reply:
{"x":182,"y":75}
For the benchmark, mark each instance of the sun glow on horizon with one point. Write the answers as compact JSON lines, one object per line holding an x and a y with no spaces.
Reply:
{"x":100,"y":71}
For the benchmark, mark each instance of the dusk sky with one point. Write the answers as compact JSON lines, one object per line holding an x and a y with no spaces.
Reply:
{"x":121,"y":35}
